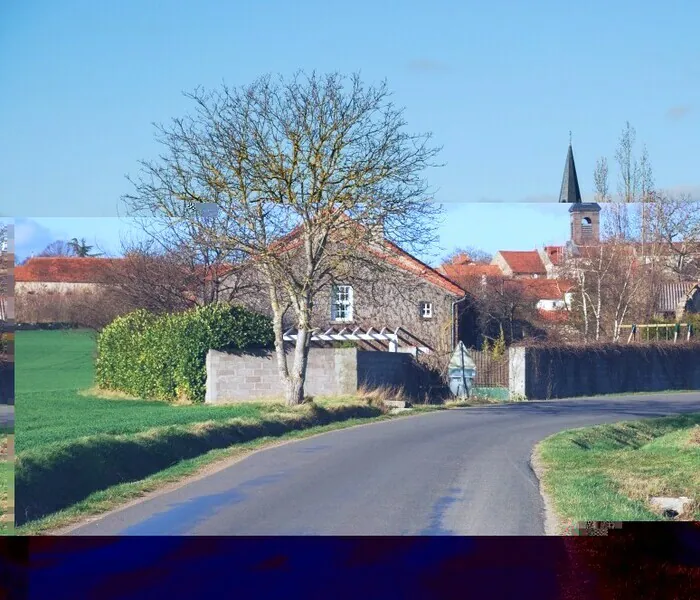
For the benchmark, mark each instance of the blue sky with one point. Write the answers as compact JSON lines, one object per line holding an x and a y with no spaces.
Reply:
{"x":500,"y":84}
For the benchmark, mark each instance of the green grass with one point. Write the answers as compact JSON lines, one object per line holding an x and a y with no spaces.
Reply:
{"x":7,"y":495}
{"x":7,"y":484}
{"x":53,"y":366}
{"x":609,"y":472}
{"x":78,"y":451}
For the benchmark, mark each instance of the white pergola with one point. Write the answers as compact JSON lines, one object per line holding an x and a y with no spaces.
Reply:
{"x":358,"y":334}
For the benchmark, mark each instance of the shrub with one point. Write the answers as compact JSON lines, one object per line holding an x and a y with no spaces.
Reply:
{"x":164,"y":356}
{"x":499,"y":346}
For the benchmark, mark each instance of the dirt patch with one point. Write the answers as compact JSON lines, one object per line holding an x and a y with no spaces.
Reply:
{"x":694,"y":439}
{"x":7,"y":448}
{"x":552,"y":524}
{"x":640,"y":487}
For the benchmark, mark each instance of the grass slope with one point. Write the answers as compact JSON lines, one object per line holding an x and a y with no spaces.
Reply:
{"x":71,"y":445}
{"x":7,"y":484}
{"x":609,"y":472}
{"x":54,"y":366}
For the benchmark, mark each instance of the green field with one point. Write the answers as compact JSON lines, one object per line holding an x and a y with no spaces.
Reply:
{"x":53,"y":366}
{"x":81,"y":453}
{"x":609,"y":472}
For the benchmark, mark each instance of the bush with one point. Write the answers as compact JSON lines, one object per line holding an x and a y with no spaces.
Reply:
{"x":164,"y":356}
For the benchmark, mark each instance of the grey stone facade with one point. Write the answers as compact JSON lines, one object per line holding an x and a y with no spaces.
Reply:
{"x":390,"y":298}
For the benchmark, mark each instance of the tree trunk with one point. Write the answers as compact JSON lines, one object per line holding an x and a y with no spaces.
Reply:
{"x":277,"y":316}
{"x":295,"y":382}
{"x":597,"y":314}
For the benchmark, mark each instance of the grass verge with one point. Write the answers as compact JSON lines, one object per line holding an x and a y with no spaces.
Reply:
{"x":609,"y":472}
{"x":119,"y":495}
{"x":57,"y":475}
{"x":7,"y":482}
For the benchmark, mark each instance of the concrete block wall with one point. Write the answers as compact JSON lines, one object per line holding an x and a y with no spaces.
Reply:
{"x":544,"y":373}
{"x":330,"y":372}
{"x":387,"y":369}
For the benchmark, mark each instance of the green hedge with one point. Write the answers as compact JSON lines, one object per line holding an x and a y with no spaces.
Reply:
{"x":164,"y":356}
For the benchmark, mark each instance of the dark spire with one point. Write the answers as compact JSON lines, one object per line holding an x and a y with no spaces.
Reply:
{"x":570,"y":191}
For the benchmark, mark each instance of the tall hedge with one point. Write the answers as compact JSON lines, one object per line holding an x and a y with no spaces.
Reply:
{"x":164,"y":356}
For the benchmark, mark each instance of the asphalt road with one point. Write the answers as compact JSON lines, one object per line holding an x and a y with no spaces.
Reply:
{"x":7,"y":415}
{"x":457,"y":472}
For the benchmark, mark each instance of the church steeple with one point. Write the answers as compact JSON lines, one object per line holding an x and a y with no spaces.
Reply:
{"x":570,"y":191}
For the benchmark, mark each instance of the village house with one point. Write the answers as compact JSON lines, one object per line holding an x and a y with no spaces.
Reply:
{"x":520,"y":264}
{"x":60,"y":275}
{"x":555,"y":266}
{"x":420,"y":308}
{"x":404,"y":297}
{"x":677,"y":300}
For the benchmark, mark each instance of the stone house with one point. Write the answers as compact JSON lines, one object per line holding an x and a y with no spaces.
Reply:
{"x":407,"y":295}
{"x":404,"y":296}
{"x":520,"y":264}
{"x":62,"y":275}
{"x":678,"y":299}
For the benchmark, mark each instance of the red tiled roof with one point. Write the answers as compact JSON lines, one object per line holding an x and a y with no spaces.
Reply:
{"x":555,"y":253}
{"x":411,"y":264}
{"x":392,"y":254}
{"x":460,"y":271}
{"x":64,"y":269}
{"x":543,"y":289}
{"x":522,"y":262}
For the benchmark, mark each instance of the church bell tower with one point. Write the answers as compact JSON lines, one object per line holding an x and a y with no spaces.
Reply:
{"x":585,"y":216}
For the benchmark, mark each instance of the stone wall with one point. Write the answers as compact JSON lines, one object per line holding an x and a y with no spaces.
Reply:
{"x":233,"y":377}
{"x":544,"y":373}
{"x":388,"y":369}
{"x":7,"y":382}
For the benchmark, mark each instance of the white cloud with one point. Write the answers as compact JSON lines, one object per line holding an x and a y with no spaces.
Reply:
{"x":676,"y":113}
{"x":32,"y":237}
{"x":427,"y":65}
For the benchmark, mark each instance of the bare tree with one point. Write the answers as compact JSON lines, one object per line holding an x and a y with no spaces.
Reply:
{"x":172,"y":279}
{"x":302,"y":174}
{"x":627,"y":216}
{"x":612,"y":286}
{"x":57,"y":248}
{"x":628,"y":177}
{"x":6,"y":268}
{"x":600,"y":177}
{"x":475,"y":255}
{"x":677,"y":229}
{"x":647,"y":194}
{"x":500,"y":304}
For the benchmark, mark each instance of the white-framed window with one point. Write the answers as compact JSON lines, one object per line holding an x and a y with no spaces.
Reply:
{"x":426,"y":310}
{"x":341,"y":303}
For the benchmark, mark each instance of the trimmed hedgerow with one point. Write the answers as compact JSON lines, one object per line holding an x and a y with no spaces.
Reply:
{"x":164,"y":356}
